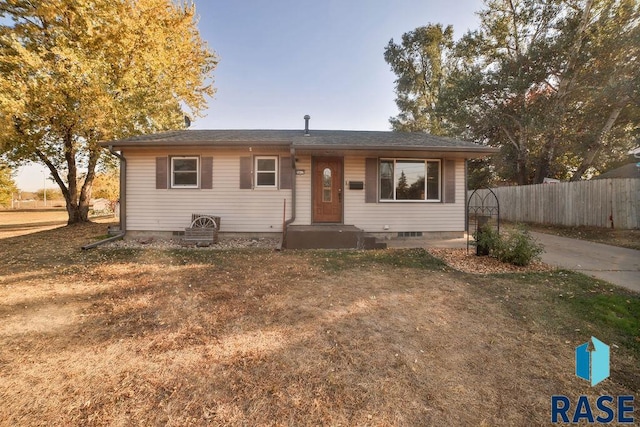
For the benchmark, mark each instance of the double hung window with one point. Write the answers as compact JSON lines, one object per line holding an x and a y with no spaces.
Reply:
{"x":184,"y":172}
{"x":266,"y":170}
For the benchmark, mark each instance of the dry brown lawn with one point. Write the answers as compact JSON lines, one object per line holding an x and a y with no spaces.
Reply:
{"x":201,"y":337}
{"x":20,"y":222}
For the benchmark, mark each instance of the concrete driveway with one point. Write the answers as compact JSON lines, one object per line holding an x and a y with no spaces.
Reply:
{"x":616,"y":265}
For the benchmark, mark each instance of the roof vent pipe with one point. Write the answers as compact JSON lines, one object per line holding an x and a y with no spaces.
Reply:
{"x":306,"y":125}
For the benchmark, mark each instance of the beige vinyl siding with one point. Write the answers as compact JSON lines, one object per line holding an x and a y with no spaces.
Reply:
{"x":401,"y":216}
{"x":260,"y":210}
{"x":151,"y":209}
{"x":303,"y":191}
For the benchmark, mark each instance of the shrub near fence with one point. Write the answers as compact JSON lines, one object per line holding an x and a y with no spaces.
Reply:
{"x":592,"y":203}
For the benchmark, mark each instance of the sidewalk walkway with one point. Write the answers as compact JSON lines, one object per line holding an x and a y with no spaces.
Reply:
{"x":616,"y":265}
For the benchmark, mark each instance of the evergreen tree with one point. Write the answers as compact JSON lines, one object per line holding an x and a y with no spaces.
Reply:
{"x":402,"y":189}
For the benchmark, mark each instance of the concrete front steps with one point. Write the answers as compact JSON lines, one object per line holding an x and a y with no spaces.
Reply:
{"x":329,"y":236}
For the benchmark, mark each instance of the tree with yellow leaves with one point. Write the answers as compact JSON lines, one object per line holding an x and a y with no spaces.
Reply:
{"x":7,"y":186}
{"x":106,"y":185}
{"x":77,"y":72}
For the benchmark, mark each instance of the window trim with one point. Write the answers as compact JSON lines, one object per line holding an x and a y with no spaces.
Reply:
{"x":395,"y":183}
{"x":172,"y":172}
{"x":275,"y":172}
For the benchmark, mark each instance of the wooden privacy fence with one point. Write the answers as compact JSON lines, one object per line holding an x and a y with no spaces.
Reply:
{"x":599,"y":203}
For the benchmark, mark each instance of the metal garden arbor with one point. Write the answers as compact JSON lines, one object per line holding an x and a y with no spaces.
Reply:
{"x":483,"y":213}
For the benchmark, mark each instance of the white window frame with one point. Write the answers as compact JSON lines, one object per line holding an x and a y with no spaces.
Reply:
{"x":256,"y":171}
{"x":395,"y":181}
{"x":197,"y":171}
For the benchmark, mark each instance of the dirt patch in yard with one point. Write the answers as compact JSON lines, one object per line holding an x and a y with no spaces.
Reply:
{"x":20,"y":222}
{"x":121,"y":336}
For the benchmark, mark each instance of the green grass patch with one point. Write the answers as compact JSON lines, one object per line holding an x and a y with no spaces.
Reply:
{"x":101,"y":237}
{"x":616,"y":312}
{"x":572,"y":303}
{"x":337,"y":260}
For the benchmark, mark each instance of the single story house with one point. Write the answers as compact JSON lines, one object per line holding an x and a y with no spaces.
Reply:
{"x":259,"y":182}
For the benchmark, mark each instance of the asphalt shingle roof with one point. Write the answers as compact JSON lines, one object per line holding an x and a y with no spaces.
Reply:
{"x":336,"y":139}
{"x":627,"y":171}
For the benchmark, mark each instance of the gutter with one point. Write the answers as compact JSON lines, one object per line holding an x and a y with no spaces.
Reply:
{"x":466,"y":201}
{"x":293,"y":199}
{"x":123,"y":189}
{"x":455,"y":149}
{"x":189,"y":143}
{"x":123,"y":203}
{"x":479,"y":149}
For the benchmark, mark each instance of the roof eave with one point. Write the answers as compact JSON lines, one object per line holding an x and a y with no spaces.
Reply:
{"x":332,"y":147}
{"x":479,"y":150}
{"x":168,"y":143}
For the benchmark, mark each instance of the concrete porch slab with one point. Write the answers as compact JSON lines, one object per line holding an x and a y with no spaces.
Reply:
{"x":329,"y":236}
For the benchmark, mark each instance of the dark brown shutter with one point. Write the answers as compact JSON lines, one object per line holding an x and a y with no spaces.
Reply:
{"x":371,"y":180}
{"x":449,"y":181}
{"x":285,"y":173}
{"x":206,"y":173}
{"x":245,"y":172}
{"x":162,"y":176}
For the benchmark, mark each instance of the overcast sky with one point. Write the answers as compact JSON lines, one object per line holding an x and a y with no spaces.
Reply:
{"x":282,"y":59}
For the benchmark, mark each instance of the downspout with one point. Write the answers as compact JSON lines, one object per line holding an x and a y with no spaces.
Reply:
{"x":123,"y":189}
{"x":102,"y":242}
{"x":293,"y":199}
{"x":466,"y":201}
{"x":123,"y":203}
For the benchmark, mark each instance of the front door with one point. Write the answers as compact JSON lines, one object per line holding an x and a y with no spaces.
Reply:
{"x":327,"y":189}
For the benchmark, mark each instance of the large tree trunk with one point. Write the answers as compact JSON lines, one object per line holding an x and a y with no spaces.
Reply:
{"x":81,"y":211}
{"x":77,"y":201}
{"x":545,"y":160}
{"x":77,"y":213}
{"x":78,"y":205}
{"x":522,"y":175}
{"x":519,"y":144}
{"x":567,"y":80}
{"x":594,"y":149}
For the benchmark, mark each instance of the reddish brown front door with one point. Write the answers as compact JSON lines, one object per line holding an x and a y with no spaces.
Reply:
{"x":327,"y":189}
